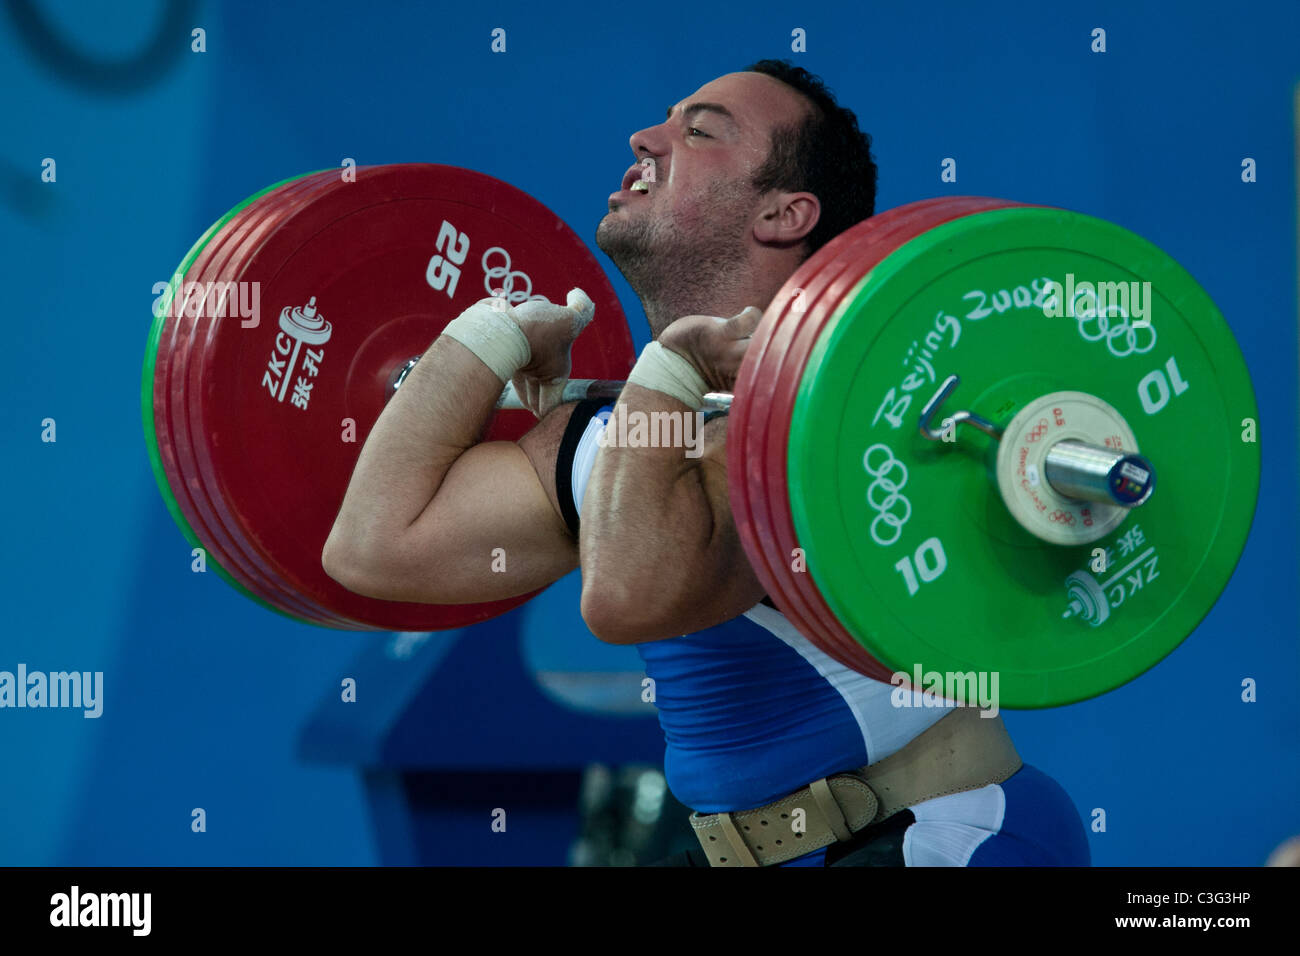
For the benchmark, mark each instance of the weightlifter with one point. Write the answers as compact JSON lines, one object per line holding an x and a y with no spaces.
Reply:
{"x":787,"y":757}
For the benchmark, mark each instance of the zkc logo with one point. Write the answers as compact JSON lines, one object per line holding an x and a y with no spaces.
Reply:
{"x":299,"y":326}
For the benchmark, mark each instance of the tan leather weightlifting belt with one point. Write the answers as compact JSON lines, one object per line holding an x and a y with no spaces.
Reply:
{"x":962,"y":751}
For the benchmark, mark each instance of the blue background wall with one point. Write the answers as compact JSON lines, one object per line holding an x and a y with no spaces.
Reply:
{"x":206,"y":694}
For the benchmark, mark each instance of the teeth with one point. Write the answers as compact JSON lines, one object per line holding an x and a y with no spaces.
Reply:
{"x":640,"y":186}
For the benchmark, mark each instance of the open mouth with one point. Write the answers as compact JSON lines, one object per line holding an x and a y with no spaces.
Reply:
{"x":639,"y":177}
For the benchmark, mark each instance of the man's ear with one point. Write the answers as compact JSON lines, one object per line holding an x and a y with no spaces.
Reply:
{"x":787,"y":218}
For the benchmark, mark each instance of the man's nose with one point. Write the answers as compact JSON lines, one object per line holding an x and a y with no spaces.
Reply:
{"x":650,"y":142}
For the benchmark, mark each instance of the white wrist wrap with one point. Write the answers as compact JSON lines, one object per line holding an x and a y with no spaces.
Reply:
{"x":663,"y":370}
{"x":492,"y":335}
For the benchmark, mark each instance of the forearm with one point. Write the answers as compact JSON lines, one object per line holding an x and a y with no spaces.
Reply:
{"x":648,"y":517}
{"x":438,"y":413}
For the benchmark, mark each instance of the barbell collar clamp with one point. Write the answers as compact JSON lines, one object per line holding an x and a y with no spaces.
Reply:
{"x":963,"y":417}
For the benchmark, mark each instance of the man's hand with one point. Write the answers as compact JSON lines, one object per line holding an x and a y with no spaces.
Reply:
{"x":715,"y":346}
{"x":551,"y":331}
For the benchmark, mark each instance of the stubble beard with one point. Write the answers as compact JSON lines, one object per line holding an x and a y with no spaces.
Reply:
{"x":677,"y":266}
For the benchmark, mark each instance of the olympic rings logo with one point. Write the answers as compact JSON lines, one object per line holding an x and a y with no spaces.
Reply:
{"x":883,"y":476}
{"x":1104,"y":329}
{"x":505,"y":288}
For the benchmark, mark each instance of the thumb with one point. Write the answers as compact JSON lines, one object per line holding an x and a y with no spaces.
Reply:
{"x":583,"y":310}
{"x":743,"y":324}
{"x":582,"y":306}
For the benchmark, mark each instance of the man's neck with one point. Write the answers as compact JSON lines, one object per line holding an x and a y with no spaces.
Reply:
{"x":709,"y":298}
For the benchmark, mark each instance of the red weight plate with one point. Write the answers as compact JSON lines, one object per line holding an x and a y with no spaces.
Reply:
{"x":174,"y":347}
{"x":910,"y":222}
{"x":816,"y":282}
{"x":746,"y":438}
{"x":390,"y":259}
{"x":883,"y":232}
{"x":184,"y":398}
{"x":746,"y":457}
{"x":184,"y":483}
{"x":223,"y":265}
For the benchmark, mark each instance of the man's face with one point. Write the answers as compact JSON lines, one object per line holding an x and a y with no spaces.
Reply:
{"x":699,"y":206}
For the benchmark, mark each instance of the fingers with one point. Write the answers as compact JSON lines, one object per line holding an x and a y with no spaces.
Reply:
{"x":539,"y":310}
{"x":743,"y":324}
{"x":578,"y":311}
{"x":551,"y":330}
{"x":531,"y":396}
{"x":583,"y":309}
{"x":540,"y":396}
{"x":549,"y":395}
{"x":741,"y":327}
{"x":521,"y":387}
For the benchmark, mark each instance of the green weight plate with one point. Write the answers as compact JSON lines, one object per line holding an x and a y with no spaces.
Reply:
{"x":909,"y":540}
{"x":147,"y":383}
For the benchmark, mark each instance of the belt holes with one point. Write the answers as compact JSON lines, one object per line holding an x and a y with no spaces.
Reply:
{"x":747,"y":828}
{"x":778,"y":842}
{"x":760,"y":849}
{"x":764,"y":822}
{"x":712,"y":839}
{"x":784,"y":815}
{"x":722,"y":859}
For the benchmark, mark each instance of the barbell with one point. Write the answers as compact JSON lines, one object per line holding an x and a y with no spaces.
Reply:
{"x":1022,"y":534}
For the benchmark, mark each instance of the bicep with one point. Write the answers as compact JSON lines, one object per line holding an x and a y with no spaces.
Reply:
{"x":494,"y":529}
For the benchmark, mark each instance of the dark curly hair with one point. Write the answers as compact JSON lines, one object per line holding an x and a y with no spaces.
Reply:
{"x":825,"y":154}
